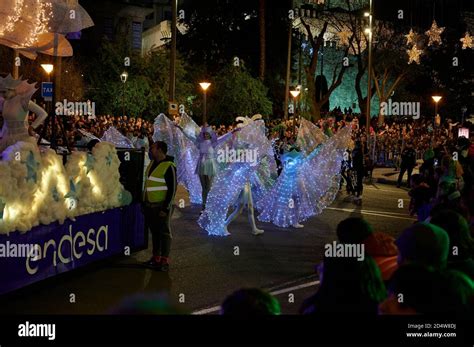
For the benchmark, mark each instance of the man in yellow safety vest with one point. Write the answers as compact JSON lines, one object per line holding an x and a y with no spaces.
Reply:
{"x":158,"y":196}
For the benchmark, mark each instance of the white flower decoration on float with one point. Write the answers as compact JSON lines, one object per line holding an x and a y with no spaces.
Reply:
{"x":54,"y":192}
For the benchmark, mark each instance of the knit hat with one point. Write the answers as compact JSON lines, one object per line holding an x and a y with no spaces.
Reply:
{"x":424,"y":244}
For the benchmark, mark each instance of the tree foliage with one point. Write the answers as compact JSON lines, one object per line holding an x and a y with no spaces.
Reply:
{"x":237,"y":93}
{"x":146,"y":91}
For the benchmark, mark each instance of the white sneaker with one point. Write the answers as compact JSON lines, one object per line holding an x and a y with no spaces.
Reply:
{"x":257,"y":232}
{"x":298,"y":226}
{"x":226,"y":232}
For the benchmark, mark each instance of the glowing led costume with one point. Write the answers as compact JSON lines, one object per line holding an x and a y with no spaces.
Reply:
{"x":183,"y":150}
{"x":196,"y":148}
{"x":240,"y":181}
{"x":16,"y":106}
{"x":308,"y":182}
{"x":113,"y":136}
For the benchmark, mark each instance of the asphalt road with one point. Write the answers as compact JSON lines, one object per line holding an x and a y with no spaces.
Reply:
{"x":204,"y":270}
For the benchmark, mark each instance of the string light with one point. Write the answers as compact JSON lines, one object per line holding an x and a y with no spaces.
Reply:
{"x":12,"y":19}
{"x":28,"y":19}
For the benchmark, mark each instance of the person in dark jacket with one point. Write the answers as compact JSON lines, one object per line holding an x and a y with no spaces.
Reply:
{"x":408,"y":163}
{"x":358,"y":167}
{"x":160,"y":190}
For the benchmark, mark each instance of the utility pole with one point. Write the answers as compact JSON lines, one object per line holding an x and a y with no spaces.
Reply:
{"x":174,"y":10}
{"x":288,"y":68}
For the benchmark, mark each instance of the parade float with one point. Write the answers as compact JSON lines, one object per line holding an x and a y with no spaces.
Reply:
{"x":57,"y":212}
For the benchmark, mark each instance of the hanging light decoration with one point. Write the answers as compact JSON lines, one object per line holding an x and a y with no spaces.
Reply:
{"x":13,"y":18}
{"x":25,"y":21}
{"x":411,"y":37}
{"x":434,"y":34}
{"x":42,"y":16}
{"x":414,"y":54}
{"x":467,"y":41}
{"x":344,"y":36}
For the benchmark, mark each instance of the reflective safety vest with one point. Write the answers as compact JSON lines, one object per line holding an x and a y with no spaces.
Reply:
{"x":155,"y":185}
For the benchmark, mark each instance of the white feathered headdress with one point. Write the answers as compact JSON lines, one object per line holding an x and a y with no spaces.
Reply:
{"x":244,"y":121}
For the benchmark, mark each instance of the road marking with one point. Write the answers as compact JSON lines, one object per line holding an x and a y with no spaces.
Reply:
{"x":380,"y":212}
{"x":371,"y":213}
{"x":291,"y":289}
{"x":386,"y":190}
{"x":277,"y":292}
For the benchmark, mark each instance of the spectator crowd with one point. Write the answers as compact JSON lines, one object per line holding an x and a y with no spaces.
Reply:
{"x":431,"y":263}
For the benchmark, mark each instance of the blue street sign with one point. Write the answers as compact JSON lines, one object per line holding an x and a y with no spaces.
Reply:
{"x":47,"y":90}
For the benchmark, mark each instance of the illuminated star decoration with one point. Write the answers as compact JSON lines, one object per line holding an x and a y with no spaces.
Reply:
{"x":414,"y":55}
{"x":411,"y":37}
{"x":89,"y":164}
{"x":31,"y":166}
{"x":467,"y":41}
{"x":434,"y":34}
{"x":344,"y":36}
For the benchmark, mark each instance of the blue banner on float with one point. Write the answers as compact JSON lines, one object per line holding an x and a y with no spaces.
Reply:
{"x":48,"y":250}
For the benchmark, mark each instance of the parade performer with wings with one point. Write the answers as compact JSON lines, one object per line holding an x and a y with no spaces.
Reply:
{"x":249,"y":173}
{"x":195,"y":151}
{"x":309,"y":181}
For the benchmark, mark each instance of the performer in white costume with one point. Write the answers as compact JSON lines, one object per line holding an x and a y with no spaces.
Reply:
{"x":245,"y":198}
{"x":16,"y":106}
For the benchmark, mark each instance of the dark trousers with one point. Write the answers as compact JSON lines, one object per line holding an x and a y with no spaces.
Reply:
{"x":346,"y":176}
{"x":359,"y":188}
{"x":160,"y":228}
{"x":206,"y":183}
{"x":405,"y":168}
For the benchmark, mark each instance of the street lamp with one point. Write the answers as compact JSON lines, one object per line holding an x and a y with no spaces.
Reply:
{"x":48,"y":68}
{"x":295,"y":93}
{"x":205,"y":86}
{"x":123,"y":78}
{"x":436,"y":99}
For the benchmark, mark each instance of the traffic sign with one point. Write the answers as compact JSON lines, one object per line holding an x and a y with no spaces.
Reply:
{"x":47,"y":91}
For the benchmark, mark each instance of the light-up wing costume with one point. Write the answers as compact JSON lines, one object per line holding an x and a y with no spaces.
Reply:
{"x":88,"y":136}
{"x":308,"y":183}
{"x":309,"y":136}
{"x":259,"y":168}
{"x":320,"y":172}
{"x":114,"y":137}
{"x":183,"y":149}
